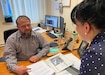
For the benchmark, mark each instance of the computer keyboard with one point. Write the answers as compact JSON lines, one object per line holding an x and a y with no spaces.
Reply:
{"x":51,"y":35}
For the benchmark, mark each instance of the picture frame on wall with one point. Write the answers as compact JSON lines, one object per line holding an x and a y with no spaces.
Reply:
{"x":66,"y":3}
{"x":63,"y":2}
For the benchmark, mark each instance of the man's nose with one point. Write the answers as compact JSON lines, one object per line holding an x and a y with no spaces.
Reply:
{"x":27,"y":27}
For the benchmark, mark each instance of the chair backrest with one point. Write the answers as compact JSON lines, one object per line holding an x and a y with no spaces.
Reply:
{"x":7,"y":33}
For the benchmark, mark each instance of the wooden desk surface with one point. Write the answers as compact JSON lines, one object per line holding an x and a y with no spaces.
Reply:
{"x":5,"y":71}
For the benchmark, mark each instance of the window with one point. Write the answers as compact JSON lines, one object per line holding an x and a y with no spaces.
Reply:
{"x":34,"y":9}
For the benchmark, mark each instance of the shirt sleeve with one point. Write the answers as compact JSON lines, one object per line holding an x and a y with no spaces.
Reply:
{"x":10,"y":54}
{"x":92,"y":63}
{"x":44,"y":46}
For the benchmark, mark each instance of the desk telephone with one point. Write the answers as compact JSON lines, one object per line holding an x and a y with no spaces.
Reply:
{"x":83,"y":46}
{"x":68,"y":44}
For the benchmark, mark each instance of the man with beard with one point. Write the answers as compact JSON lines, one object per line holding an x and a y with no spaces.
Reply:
{"x":24,"y":44}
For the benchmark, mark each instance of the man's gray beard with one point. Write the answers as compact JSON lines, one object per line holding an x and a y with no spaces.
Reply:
{"x":26,"y":35}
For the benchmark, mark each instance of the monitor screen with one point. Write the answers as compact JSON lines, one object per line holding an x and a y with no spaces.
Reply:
{"x":62,"y":25}
{"x":51,"y":21}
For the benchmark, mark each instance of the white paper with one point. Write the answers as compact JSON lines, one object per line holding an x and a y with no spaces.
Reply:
{"x":38,"y":29}
{"x":75,"y":61}
{"x":40,"y":68}
{"x":63,"y":73}
{"x":66,"y":3}
{"x":53,"y":65}
{"x":58,"y":62}
{"x":56,"y":4}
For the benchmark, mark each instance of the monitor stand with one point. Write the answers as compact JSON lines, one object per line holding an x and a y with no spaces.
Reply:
{"x":49,"y":28}
{"x":55,"y":30}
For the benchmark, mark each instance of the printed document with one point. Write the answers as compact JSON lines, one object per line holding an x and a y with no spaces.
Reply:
{"x":64,"y":72}
{"x":40,"y":68}
{"x":50,"y":66}
{"x":76,"y":61}
{"x":38,"y":29}
{"x":58,"y":62}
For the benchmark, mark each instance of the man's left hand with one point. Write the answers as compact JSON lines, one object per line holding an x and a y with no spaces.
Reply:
{"x":33,"y":59}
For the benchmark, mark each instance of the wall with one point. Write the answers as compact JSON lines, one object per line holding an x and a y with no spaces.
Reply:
{"x":1,"y":15}
{"x":50,"y":9}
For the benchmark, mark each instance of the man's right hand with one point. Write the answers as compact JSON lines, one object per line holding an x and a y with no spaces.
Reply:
{"x":20,"y":70}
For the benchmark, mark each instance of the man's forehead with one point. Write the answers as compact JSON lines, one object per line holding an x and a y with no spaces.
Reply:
{"x":23,"y":22}
{"x":23,"y":19}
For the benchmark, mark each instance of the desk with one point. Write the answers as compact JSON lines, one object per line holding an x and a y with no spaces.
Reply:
{"x":67,"y":36}
{"x":5,"y":71}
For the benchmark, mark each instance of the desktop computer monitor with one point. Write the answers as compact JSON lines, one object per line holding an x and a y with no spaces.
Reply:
{"x":51,"y":21}
{"x":62,"y":26}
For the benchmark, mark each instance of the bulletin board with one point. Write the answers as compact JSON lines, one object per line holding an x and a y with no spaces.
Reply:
{"x":66,"y":2}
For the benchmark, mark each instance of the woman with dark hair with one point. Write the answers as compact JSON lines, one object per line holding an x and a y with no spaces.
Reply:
{"x":89,"y":17}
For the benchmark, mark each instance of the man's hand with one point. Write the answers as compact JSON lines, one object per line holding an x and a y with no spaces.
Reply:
{"x":20,"y":70}
{"x":33,"y":59}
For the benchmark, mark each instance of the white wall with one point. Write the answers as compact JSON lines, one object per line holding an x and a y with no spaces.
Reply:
{"x":50,"y":9}
{"x":1,"y":15}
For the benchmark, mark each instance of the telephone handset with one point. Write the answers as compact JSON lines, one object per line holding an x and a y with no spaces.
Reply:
{"x":83,"y":46}
{"x":69,"y":44}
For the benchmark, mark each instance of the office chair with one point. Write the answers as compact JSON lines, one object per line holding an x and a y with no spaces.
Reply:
{"x":2,"y":59}
{"x":7,"y":33}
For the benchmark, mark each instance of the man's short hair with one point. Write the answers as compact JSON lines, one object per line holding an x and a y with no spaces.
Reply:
{"x":22,"y":17}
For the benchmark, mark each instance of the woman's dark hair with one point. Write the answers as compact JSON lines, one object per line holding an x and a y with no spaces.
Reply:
{"x":91,"y":11}
{"x":73,"y":14}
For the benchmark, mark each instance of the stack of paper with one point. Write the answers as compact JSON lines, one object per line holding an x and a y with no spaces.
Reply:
{"x":76,"y":62}
{"x":38,"y":29}
{"x":55,"y":65}
{"x":40,"y":68}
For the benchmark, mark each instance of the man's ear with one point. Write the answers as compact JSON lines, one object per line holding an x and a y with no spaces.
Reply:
{"x":87,"y":27}
{"x":17,"y":27}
